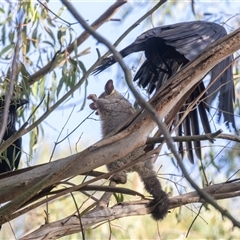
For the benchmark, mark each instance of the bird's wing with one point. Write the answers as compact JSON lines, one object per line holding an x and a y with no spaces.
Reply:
{"x":190,"y":39}
{"x":107,"y":62}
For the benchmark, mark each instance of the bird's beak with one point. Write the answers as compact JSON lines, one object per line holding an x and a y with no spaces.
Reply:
{"x":19,"y":102}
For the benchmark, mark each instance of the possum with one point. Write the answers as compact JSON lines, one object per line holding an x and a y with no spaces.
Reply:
{"x":114,"y":110}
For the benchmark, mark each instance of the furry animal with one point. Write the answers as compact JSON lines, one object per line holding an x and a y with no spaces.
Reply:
{"x":114,"y":109}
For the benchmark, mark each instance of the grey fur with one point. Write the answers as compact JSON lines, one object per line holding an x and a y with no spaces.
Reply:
{"x":114,"y":110}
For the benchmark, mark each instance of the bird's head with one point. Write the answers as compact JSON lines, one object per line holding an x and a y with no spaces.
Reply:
{"x":15,"y":103}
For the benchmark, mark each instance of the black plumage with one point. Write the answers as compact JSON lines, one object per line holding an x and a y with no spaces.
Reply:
{"x":169,"y":48}
{"x":9,"y":159}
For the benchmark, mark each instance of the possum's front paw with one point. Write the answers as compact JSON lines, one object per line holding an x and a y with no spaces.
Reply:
{"x":93,"y":97}
{"x":93,"y":106}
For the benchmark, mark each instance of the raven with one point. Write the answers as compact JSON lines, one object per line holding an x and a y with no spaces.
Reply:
{"x":167,"y":49}
{"x":9,"y":159}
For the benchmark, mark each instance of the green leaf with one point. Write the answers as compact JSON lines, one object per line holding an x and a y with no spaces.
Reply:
{"x":63,"y":80}
{"x":3,"y":34}
{"x":85,"y":96}
{"x":50,"y":33}
{"x":60,"y":11}
{"x":33,"y":139}
{"x":7,"y":49}
{"x":34,"y":37}
{"x":58,"y":58}
{"x":71,"y":36}
{"x":26,"y":43}
{"x":41,"y":87}
{"x":74,"y":64}
{"x":25,"y":73}
{"x":64,"y":69}
{"x":82,"y":67}
{"x":11,"y":36}
{"x":119,"y":197}
{"x":48,"y":43}
{"x":54,"y":85}
{"x":50,"y":22}
{"x":35,"y":89}
{"x":5,"y":22}
{"x":61,"y":35}
{"x":75,"y":46}
{"x":72,"y":79}
{"x":2,"y":10}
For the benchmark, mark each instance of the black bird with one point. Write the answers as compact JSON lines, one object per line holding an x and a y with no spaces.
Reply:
{"x":167,"y":49}
{"x":9,"y":159}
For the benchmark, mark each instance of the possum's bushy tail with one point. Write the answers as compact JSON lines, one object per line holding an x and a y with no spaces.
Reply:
{"x":160,"y":202}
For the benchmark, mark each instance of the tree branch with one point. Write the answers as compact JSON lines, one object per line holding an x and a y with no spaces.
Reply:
{"x":209,"y":136}
{"x":63,"y":228}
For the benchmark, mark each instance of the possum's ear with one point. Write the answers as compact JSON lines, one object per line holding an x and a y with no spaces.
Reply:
{"x":109,"y":87}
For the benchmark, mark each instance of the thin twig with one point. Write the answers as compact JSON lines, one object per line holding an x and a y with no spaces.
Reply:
{"x":65,"y":124}
{"x":194,"y":220}
{"x":75,"y":128}
{"x":209,"y":136}
{"x":79,"y":216}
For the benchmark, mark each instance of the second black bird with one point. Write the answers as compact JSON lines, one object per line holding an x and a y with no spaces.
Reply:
{"x":9,"y":159}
